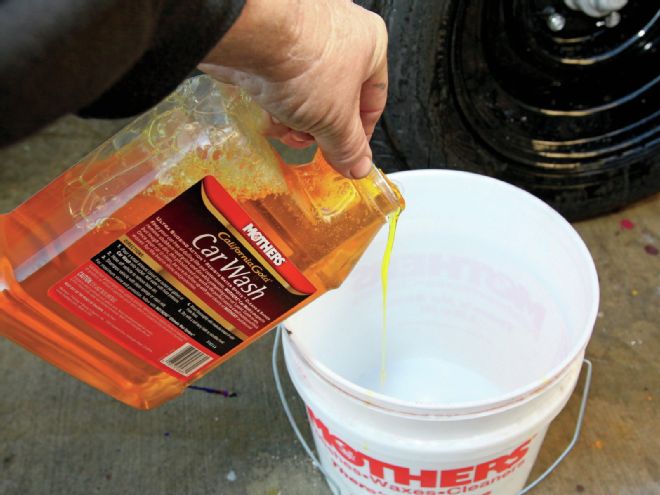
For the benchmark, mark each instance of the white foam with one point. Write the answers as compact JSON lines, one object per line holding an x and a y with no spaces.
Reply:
{"x":428,"y":380}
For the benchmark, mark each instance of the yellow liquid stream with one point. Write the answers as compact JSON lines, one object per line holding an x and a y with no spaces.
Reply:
{"x":384,"y":271}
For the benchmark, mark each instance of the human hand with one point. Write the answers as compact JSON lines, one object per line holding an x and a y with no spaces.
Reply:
{"x":319,"y":67}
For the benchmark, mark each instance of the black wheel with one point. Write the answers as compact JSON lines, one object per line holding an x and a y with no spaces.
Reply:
{"x":572,"y":116}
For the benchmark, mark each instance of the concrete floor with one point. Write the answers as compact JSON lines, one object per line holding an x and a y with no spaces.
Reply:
{"x":60,"y":437}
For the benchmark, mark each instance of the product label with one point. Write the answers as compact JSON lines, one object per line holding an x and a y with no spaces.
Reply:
{"x":372,"y":473}
{"x":188,"y":285}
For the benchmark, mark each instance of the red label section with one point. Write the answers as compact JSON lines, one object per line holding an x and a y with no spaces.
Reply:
{"x":188,"y":285}
{"x":93,"y":295}
{"x":240,"y":220}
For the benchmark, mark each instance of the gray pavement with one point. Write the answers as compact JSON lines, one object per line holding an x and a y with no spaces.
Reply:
{"x":61,"y":437}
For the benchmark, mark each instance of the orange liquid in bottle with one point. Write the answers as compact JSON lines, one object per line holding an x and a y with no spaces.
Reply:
{"x":320,"y":220}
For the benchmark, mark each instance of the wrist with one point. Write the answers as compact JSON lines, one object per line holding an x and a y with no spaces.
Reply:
{"x":262,"y":39}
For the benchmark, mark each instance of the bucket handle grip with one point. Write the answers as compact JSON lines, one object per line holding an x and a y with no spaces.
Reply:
{"x":576,"y":433}
{"x":294,"y":426}
{"x":333,"y":485}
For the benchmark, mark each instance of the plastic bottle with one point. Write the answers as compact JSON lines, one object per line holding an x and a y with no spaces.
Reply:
{"x":175,"y":244}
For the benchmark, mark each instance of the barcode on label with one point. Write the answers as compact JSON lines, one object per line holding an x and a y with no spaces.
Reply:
{"x":186,"y":359}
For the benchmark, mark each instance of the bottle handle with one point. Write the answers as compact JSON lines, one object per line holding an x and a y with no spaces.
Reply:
{"x":295,"y":157}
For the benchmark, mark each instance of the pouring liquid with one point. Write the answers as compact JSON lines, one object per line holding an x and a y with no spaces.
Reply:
{"x":384,"y":271}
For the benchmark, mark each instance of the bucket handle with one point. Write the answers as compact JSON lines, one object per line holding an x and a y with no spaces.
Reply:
{"x":294,"y":426}
{"x":333,"y":485}
{"x":576,"y":433}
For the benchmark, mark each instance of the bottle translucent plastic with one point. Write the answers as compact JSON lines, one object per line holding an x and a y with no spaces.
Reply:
{"x":96,"y":269}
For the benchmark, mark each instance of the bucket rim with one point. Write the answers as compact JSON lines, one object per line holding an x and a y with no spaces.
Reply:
{"x":513,"y":398}
{"x":417,"y":412}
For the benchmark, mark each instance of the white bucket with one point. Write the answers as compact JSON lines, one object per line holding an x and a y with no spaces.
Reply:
{"x":492,"y":299}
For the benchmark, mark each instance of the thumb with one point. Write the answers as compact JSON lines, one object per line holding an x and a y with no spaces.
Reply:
{"x":346,"y":148}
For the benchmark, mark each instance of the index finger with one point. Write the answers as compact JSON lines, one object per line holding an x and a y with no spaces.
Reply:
{"x":373,"y":98}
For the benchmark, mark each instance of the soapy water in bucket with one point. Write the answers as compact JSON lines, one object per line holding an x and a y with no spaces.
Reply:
{"x":404,"y":383}
{"x":467,"y":321}
{"x":457,"y":340}
{"x":428,"y":380}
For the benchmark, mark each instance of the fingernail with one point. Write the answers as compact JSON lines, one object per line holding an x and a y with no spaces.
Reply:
{"x":301,"y":137}
{"x":275,"y":121}
{"x":362,"y":169}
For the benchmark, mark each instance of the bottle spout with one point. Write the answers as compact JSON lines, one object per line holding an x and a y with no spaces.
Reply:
{"x":386,"y":195}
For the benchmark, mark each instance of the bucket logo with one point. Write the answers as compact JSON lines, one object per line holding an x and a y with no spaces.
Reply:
{"x":485,"y":280}
{"x":346,"y":452}
{"x":359,"y":468}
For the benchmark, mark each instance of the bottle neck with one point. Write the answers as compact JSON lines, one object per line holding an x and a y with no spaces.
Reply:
{"x":388,"y":199}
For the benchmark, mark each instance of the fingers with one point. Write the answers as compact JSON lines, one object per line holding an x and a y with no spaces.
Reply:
{"x":294,"y":139}
{"x":354,"y":153}
{"x":373,"y":98}
{"x":304,"y":90}
{"x":346,"y":148}
{"x":297,"y":139}
{"x":362,"y":169}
